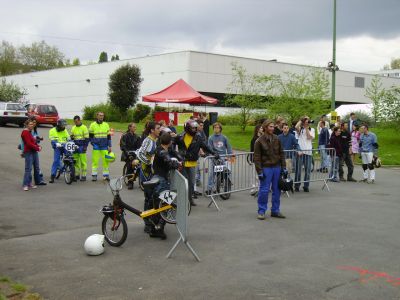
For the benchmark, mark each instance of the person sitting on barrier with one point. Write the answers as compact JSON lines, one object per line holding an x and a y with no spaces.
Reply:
{"x":335,"y":142}
{"x":269,"y":160}
{"x":219,"y":143}
{"x":323,"y":141}
{"x":130,"y":141}
{"x":368,"y":149}
{"x":165,"y":159}
{"x":305,"y":136}
{"x":346,"y":143}
{"x":189,"y":144}
{"x":145,"y":154}
{"x":289,"y":143}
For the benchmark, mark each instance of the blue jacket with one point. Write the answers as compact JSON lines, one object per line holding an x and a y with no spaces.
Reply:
{"x":368,"y":143}
{"x":289,"y":142}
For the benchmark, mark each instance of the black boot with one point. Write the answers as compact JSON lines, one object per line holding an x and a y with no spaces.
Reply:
{"x":158,"y":233}
{"x":52,"y":179}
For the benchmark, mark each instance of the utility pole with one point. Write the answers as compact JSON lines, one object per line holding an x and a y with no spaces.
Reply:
{"x":334,"y":68}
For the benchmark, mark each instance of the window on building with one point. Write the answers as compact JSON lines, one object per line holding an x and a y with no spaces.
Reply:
{"x":359,"y":82}
{"x":396,"y":74}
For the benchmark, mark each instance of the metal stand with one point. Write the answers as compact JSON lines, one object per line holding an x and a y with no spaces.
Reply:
{"x":181,"y":239}
{"x":214,"y":202}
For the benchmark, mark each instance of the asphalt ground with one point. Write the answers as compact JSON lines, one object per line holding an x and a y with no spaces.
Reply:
{"x":342,"y":244}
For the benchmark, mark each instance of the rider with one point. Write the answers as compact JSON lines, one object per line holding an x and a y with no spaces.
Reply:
{"x":165,"y":159}
{"x":100,"y":138}
{"x":146,"y":155}
{"x":189,"y":144}
{"x":129,"y":142}
{"x":58,"y":135}
{"x":80,"y":136}
{"x":220,"y":144}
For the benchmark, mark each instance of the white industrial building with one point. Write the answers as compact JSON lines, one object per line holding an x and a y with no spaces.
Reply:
{"x":70,"y":89}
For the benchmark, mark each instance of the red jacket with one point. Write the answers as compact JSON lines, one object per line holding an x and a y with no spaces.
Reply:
{"x":30,"y":144}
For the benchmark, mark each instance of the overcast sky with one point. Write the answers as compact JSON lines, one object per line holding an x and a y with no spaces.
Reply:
{"x":296,"y":31}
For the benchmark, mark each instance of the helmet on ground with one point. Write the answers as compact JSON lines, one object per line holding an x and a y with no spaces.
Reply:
{"x":191,"y":127}
{"x":110,"y":157}
{"x":94,"y":244}
{"x":285,"y":183}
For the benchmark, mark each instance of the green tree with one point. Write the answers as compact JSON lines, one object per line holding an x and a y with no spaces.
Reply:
{"x":112,"y":58}
{"x":390,"y":104}
{"x":40,"y":56}
{"x":124,"y":87}
{"x":10,"y":92}
{"x":103,"y":57}
{"x":9,"y":63}
{"x":76,"y":62}
{"x":376,"y":93}
{"x":295,"y":95}
{"x":245,"y":93}
{"x":394,"y":64}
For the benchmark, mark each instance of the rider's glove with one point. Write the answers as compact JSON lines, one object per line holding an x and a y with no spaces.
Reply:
{"x":58,"y":145}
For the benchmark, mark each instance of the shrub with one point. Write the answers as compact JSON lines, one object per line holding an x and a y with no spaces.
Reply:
{"x":231,"y":119}
{"x":140,"y":112}
{"x":111,"y":113}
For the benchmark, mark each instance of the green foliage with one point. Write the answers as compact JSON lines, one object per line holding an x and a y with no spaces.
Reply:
{"x":363,"y":118}
{"x":4,"y":279}
{"x":40,"y":56}
{"x":10,"y":92}
{"x":8,"y":59}
{"x":76,"y":62}
{"x":103,"y":57}
{"x":231,"y":119}
{"x":140,"y":112}
{"x":18,"y":287}
{"x":376,"y":93}
{"x":116,"y":57}
{"x":124,"y":86}
{"x":111,"y":113}
{"x":394,"y":64}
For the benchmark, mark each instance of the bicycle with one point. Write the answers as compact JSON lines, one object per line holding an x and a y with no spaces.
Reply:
{"x":68,"y":162}
{"x":131,"y":160}
{"x":114,"y":226}
{"x":222,"y":179}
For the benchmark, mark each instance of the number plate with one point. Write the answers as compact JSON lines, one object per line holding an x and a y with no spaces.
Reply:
{"x":69,"y":146}
{"x":15,"y":113}
{"x":218,"y":168}
{"x":167,"y":196}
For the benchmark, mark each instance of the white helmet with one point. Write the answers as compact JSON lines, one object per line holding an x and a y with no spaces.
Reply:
{"x":94,"y":244}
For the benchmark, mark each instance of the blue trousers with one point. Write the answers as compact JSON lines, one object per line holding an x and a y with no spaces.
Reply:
{"x":271,"y":178}
{"x":303,"y":160}
{"x":56,"y":161}
{"x":31,"y":160}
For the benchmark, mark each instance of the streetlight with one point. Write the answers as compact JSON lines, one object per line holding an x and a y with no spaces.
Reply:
{"x":332,"y":67}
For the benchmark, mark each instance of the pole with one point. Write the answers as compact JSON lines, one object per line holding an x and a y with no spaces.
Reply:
{"x":334,"y":59}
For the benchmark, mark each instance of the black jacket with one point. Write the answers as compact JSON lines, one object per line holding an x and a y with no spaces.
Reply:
{"x":129,"y":142}
{"x":163,"y":161}
{"x":192,"y":153}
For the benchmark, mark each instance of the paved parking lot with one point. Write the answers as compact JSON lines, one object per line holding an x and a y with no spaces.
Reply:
{"x":342,"y":244}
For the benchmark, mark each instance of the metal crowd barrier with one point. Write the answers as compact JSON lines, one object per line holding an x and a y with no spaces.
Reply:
{"x":180,"y":184}
{"x":236,"y":172}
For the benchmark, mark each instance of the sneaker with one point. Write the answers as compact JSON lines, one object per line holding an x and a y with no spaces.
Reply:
{"x":261,"y":216}
{"x":83,"y":178}
{"x":335,"y":180}
{"x":351,"y":179}
{"x":77,"y":177}
{"x":52,"y":179}
{"x":42,"y":183}
{"x":197,"y":193}
{"x":364,"y":180}
{"x":94,"y":177}
{"x":342,"y":179}
{"x":277,"y":215}
{"x":147,"y":228}
{"x":306,"y":189}
{"x":253,"y":193}
{"x":158,"y":234}
{"x":372,"y":181}
{"x":106,"y":177}
{"x":25,"y":188}
{"x":33,"y":186}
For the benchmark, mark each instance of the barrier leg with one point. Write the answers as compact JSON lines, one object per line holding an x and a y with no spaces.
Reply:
{"x":326,"y":185}
{"x":214,"y":202}
{"x":174,"y":247}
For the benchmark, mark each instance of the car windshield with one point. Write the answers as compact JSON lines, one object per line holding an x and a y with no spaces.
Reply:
{"x":48,"y":109}
{"x":15,"y":106}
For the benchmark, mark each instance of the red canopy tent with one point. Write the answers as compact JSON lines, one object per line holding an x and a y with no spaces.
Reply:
{"x":179,"y":92}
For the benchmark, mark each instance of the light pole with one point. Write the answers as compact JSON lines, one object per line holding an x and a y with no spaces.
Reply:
{"x":332,"y":67}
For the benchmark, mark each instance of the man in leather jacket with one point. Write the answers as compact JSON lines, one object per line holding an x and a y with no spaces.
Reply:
{"x":189,"y":144}
{"x":129,"y":142}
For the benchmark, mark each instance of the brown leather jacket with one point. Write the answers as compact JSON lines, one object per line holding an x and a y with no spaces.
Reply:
{"x":268,"y":152}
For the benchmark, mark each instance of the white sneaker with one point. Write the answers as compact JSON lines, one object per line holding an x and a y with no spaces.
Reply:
{"x":26,"y":188}
{"x":33,"y":186}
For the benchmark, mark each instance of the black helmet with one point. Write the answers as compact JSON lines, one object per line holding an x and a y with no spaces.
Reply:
{"x":285,"y":183}
{"x":61,"y":123}
{"x":191,"y":127}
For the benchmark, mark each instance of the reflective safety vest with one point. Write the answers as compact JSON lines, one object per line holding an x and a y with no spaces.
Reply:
{"x":80,"y":135}
{"x":58,"y":136}
{"x":99,"y":133}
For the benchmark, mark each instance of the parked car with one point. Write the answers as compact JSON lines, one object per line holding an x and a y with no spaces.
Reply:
{"x":44,"y":113}
{"x":14,"y":113}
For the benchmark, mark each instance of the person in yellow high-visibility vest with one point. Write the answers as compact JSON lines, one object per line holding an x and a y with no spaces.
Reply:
{"x":58,"y":136}
{"x":100,"y":138}
{"x":80,"y":136}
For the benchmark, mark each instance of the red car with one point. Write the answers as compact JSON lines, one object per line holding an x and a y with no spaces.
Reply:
{"x":44,"y":113}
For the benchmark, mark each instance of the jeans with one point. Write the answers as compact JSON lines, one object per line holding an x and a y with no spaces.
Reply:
{"x":190,"y":175}
{"x":303,"y":160}
{"x":325,"y":161}
{"x":56,"y":161}
{"x":270,"y":178}
{"x":333,"y":174}
{"x":31,"y":159}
